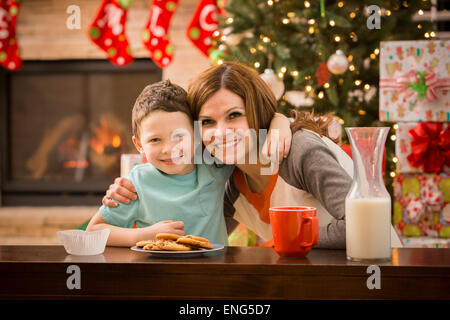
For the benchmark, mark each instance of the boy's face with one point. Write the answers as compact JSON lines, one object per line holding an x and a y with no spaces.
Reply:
{"x":167,"y":140}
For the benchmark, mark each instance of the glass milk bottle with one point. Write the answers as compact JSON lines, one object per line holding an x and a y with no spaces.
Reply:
{"x":368,"y":204}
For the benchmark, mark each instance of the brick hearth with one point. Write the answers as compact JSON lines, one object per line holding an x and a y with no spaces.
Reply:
{"x":38,"y":225}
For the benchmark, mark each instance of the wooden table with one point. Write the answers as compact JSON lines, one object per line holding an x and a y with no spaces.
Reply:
{"x":41,"y":272}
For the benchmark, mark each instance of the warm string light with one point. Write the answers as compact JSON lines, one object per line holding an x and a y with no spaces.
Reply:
{"x":307,"y":4}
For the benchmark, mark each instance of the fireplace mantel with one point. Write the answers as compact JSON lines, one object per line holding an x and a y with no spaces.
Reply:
{"x":64,"y":125}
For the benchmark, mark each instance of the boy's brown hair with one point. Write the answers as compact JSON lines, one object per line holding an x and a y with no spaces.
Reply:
{"x":163,"y":96}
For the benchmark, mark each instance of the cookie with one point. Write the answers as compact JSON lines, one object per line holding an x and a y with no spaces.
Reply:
{"x":154,"y":245}
{"x":195,"y":243}
{"x":167,"y":236}
{"x":143,"y":243}
{"x":174,"y":246}
{"x":197,"y":238}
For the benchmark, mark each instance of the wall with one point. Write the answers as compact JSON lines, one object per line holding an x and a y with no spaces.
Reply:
{"x":42,"y":34}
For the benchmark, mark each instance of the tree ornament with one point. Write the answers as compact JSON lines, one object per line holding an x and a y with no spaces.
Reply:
{"x":275,"y":84}
{"x":298,"y":98}
{"x":155,"y":34}
{"x":322,"y":74}
{"x":107,"y":31}
{"x":337,"y":63}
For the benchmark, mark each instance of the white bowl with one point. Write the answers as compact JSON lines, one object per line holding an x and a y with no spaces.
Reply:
{"x":83,"y":243}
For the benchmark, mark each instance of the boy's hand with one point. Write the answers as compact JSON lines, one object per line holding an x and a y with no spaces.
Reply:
{"x":167,"y":226}
{"x":121,"y":190}
{"x":283,"y":125}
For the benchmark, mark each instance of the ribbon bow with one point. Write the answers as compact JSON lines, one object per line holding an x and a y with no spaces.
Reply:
{"x":431,"y":199}
{"x":422,"y":84}
{"x":430,"y":146}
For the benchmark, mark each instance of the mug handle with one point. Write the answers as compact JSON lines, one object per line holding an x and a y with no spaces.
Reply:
{"x":314,"y":225}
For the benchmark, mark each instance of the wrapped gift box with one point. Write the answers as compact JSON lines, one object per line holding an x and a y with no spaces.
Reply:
{"x":425,"y":242}
{"x":422,"y":204}
{"x":423,"y":147}
{"x":415,"y":81}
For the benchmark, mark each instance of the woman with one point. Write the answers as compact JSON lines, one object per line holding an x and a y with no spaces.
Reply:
{"x":230,"y":99}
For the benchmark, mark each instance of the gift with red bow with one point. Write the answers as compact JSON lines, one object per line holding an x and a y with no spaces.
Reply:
{"x":423,"y":147}
{"x":422,"y":204}
{"x":415,"y":81}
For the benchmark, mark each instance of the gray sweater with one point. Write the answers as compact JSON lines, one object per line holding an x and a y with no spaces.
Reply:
{"x":313,"y":167}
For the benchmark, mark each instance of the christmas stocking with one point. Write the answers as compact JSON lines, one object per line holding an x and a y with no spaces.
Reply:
{"x":155,"y":34}
{"x":9,"y":51}
{"x":203,"y":24}
{"x":107,"y":31}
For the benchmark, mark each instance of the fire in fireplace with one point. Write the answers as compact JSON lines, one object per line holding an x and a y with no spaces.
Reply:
{"x":64,"y":126}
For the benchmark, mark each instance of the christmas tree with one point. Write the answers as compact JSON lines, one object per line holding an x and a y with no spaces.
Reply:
{"x":325,"y":52}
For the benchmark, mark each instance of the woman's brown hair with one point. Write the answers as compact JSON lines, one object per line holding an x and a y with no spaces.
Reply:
{"x":259,"y":101}
{"x":318,"y":124}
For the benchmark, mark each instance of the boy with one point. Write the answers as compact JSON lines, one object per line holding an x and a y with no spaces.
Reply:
{"x":174,"y":194}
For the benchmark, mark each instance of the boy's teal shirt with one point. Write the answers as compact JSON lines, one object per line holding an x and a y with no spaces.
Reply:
{"x":195,"y":198}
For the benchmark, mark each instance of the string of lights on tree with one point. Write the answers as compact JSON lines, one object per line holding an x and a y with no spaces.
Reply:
{"x":320,"y":55}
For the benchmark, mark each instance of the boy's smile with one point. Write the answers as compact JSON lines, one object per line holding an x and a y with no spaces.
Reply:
{"x":166,"y":138}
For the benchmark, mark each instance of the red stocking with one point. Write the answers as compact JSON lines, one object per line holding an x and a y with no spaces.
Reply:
{"x":9,"y":50}
{"x":107,"y":31}
{"x":203,"y":25}
{"x":155,"y":36}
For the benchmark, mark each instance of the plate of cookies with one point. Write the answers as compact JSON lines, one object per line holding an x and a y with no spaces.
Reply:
{"x":172,"y":245}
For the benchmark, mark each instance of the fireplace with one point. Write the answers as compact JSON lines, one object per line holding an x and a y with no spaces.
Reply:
{"x":64,"y":125}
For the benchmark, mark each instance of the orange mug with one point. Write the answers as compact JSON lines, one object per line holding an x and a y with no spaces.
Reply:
{"x":295,"y":230}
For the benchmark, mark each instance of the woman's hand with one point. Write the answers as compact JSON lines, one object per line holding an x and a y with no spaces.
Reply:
{"x":281,"y":123}
{"x":121,"y":190}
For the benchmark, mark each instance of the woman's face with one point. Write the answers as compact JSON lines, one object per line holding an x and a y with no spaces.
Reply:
{"x":225,"y":130}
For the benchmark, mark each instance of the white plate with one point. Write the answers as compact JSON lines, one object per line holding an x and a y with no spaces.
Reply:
{"x":180,"y":254}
